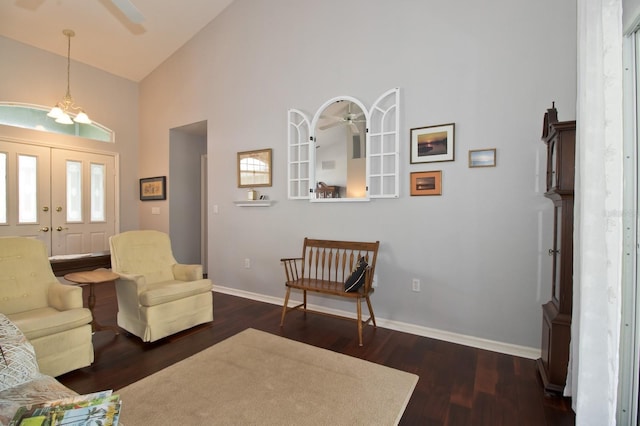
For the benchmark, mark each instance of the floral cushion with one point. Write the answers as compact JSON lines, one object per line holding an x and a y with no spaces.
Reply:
{"x":17,"y":358}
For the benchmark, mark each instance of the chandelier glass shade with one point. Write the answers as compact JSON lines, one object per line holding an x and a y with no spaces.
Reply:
{"x":63,"y":111}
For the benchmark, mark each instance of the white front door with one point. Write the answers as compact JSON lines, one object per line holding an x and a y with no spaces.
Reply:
{"x":64,"y":198}
{"x":82,"y":201}
{"x":25,"y":208}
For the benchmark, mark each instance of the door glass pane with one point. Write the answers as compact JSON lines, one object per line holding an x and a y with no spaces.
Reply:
{"x":97,"y":193}
{"x":3,"y":187}
{"x":27,"y":189}
{"x":74,"y":191}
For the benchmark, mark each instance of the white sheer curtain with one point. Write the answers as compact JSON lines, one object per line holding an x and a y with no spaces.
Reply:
{"x":595,"y":334}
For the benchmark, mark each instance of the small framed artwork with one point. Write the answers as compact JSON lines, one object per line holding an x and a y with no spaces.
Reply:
{"x":154,"y":188}
{"x":426,"y":183}
{"x":254,"y":168}
{"x":432,"y":143}
{"x":482,"y":157}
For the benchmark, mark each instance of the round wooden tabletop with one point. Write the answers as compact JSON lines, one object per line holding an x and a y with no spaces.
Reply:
{"x":88,"y":277}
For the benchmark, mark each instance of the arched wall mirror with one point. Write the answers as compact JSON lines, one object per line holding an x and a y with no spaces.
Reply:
{"x":339,"y":131}
{"x":346,"y":153}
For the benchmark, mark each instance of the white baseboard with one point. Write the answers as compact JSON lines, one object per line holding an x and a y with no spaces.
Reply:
{"x":475,"y":342}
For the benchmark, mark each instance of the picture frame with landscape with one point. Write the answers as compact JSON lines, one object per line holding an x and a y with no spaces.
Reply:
{"x":482,"y":157}
{"x":433,"y":143}
{"x":426,"y":183}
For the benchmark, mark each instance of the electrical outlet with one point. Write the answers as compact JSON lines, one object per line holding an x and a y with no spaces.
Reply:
{"x":247,"y":263}
{"x":415,"y":284}
{"x":374,"y":284}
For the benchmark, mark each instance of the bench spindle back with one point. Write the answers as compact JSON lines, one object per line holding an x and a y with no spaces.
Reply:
{"x":333,"y":261}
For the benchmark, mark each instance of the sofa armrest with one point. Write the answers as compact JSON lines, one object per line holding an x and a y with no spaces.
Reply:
{"x":64,"y":296}
{"x":184,"y":272}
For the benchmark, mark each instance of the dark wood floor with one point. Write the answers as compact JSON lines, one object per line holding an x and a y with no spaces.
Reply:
{"x":458,"y":385}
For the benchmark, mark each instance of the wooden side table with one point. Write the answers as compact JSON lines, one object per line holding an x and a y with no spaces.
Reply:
{"x":92,"y":278}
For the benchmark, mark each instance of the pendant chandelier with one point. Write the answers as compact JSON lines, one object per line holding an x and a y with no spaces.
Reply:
{"x":62,"y":110}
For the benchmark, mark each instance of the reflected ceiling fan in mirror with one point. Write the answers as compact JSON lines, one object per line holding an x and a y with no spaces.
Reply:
{"x":344,"y":116}
{"x":129,"y":10}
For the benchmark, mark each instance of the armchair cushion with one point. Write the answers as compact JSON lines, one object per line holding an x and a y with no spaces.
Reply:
{"x":47,"y":321}
{"x":173,"y":290}
{"x":146,"y":253}
{"x":25,"y":275}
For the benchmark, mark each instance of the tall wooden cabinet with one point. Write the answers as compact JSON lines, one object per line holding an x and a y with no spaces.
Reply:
{"x":559,"y":137}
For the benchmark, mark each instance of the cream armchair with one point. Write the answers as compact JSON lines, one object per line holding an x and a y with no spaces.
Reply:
{"x":157,"y":296}
{"x":50,"y":314}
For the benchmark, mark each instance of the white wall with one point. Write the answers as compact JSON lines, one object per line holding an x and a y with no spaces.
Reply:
{"x":480,"y":248}
{"x":33,"y":76}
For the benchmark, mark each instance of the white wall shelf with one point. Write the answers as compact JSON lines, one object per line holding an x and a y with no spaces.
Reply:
{"x":253,"y":203}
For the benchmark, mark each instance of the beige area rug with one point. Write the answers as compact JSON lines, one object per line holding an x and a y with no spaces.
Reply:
{"x":257,"y":378}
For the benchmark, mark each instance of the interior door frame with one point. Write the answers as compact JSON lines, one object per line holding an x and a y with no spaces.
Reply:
{"x":629,"y":350}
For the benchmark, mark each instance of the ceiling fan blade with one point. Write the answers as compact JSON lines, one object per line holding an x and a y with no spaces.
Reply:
{"x":330,"y":125}
{"x":354,"y":129}
{"x":130,"y":11}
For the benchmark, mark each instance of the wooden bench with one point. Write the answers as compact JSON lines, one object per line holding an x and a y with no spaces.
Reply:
{"x":324,"y":268}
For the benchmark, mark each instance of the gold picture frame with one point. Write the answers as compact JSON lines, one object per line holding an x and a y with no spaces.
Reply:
{"x":254,"y":168}
{"x":426,"y":183}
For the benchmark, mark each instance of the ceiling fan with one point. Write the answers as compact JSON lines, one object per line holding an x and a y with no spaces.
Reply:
{"x":348,"y":119}
{"x":129,"y":10}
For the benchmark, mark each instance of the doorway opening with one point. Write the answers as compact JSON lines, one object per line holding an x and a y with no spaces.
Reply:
{"x":188,"y":193}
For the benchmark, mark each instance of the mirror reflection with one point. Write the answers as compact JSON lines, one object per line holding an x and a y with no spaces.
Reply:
{"x":340,"y":158}
{"x":254,"y":168}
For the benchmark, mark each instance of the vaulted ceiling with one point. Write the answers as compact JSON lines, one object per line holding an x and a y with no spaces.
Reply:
{"x":105,"y":36}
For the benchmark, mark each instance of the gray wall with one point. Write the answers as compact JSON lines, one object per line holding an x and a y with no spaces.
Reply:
{"x":184,"y":195}
{"x":492,"y":67}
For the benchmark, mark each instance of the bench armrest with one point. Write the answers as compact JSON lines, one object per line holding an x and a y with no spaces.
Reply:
{"x":291,"y":267}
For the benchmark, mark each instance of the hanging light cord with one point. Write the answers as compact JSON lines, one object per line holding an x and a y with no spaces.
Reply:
{"x":68,"y":64}
{"x":61,"y":109}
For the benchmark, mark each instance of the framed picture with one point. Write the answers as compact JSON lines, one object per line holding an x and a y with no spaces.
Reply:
{"x":426,"y":183}
{"x":254,"y":168}
{"x":482,"y":157}
{"x":432,"y":143}
{"x":154,"y":188}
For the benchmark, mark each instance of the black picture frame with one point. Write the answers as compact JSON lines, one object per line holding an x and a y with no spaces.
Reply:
{"x":153,"y":188}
